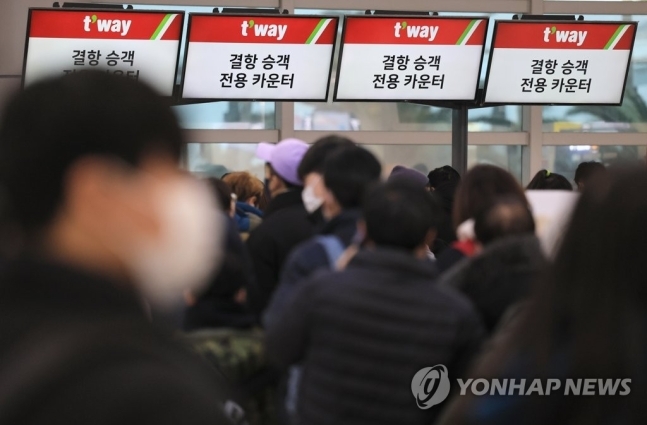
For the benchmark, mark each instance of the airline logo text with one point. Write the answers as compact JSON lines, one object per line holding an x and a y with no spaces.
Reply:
{"x":416,"y":31}
{"x":107,"y":25}
{"x":260,"y":30}
{"x":576,"y":37}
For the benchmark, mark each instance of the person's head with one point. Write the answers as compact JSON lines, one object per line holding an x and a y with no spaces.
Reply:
{"x":281,"y":164}
{"x":312,"y":166}
{"x":588,"y":173}
{"x":545,"y":180}
{"x":401,"y":215}
{"x":507,"y":216}
{"x":224,"y":195}
{"x":246,"y":186}
{"x":478,"y":189}
{"x":348,"y":172}
{"x":596,"y":289}
{"x":443,"y":175}
{"x":400,"y":173}
{"x":89,"y":169}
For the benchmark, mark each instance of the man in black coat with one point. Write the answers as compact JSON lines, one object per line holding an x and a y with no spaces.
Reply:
{"x":88,"y":168}
{"x":363,"y":333}
{"x":285,"y":223}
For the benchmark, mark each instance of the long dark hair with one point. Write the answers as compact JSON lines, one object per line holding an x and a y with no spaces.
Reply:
{"x":588,"y":316}
{"x":480,"y":187}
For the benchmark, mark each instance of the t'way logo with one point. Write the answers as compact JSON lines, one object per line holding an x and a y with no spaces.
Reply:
{"x":577,"y":37}
{"x":107,"y":25}
{"x":416,"y":31}
{"x":266,"y":30}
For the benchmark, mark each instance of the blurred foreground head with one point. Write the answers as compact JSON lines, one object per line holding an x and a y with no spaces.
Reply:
{"x":400,"y":214}
{"x":596,"y":296}
{"x":89,"y":169}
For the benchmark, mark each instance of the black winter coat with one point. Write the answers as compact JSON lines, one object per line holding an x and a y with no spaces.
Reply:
{"x":77,"y":348}
{"x":363,"y":333}
{"x":499,"y":277}
{"x":284,"y":226}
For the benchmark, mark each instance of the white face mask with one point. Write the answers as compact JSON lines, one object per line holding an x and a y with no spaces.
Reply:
{"x":188,"y":249}
{"x":311,"y":201}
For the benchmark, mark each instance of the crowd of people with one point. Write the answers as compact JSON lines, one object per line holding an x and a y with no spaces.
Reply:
{"x":133,"y":292}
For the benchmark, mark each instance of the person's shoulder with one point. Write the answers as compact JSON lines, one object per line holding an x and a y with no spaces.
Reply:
{"x":286,"y":219}
{"x":126,"y":372}
{"x":158,"y":391}
{"x":309,"y":252}
{"x":451,"y":298}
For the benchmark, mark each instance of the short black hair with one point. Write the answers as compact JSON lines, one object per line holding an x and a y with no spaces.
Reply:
{"x":52,"y":124}
{"x":399,"y":214}
{"x":587,"y":170}
{"x":442,"y":175}
{"x":348,"y":172}
{"x":545,"y":180}
{"x":314,"y":159}
{"x":507,"y":216}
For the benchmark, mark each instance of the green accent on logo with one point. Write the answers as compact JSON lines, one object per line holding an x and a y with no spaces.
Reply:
{"x":251,"y":23}
{"x":316,"y":31}
{"x":94,"y":19}
{"x":614,"y":37}
{"x":553,"y":30}
{"x":158,"y":32}
{"x":404,"y":24}
{"x":467,"y":33}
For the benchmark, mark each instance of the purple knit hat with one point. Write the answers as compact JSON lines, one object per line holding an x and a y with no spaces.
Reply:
{"x":284,"y":157}
{"x":410,"y":175}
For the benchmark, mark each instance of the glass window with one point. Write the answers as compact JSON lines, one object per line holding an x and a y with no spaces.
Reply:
{"x":227,"y":115}
{"x":217,"y":115}
{"x":216,"y":159}
{"x":565,"y":159}
{"x":427,"y":157}
{"x":631,"y":116}
{"x":379,"y":116}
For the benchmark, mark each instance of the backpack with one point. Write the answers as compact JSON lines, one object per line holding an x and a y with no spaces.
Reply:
{"x":334,"y":248}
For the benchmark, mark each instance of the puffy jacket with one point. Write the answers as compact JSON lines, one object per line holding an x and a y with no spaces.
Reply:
{"x":363,"y":333}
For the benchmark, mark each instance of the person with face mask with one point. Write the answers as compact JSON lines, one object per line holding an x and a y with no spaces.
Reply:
{"x":348,"y":172}
{"x":111,"y":228}
{"x":285,"y":222}
{"x":311,"y":172}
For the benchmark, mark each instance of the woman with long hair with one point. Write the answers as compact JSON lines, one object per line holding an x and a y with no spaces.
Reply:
{"x":586,"y":321}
